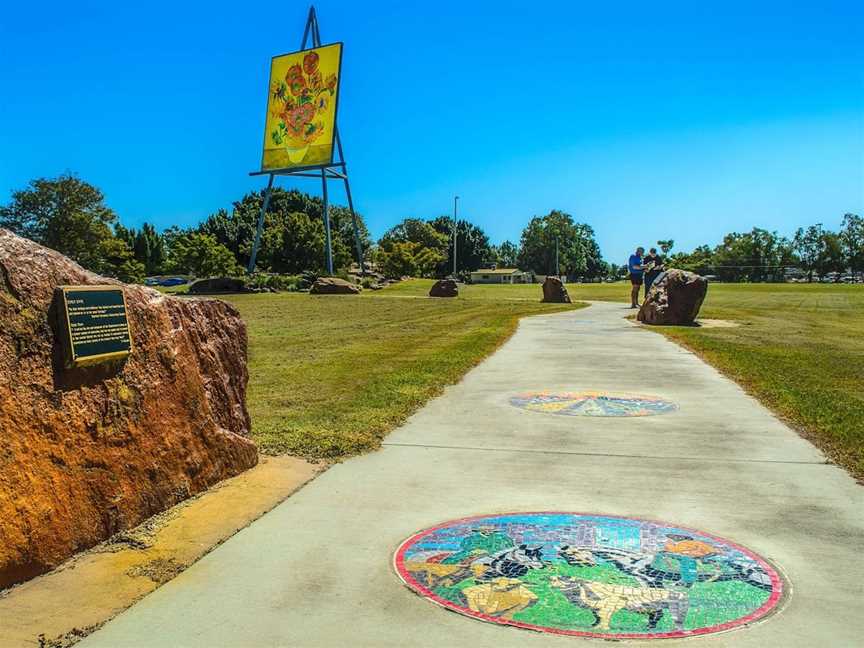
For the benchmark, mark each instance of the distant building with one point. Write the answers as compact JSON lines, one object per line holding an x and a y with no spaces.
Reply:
{"x":500,"y":276}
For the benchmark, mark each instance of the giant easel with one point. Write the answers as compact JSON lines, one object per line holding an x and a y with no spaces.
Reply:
{"x":334,"y":170}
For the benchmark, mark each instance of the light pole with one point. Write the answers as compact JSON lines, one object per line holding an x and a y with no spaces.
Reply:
{"x":455,"y":212}
{"x":557,"y":267}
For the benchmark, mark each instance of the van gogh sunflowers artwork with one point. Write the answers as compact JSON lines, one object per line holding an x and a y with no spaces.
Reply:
{"x":301,"y":108}
{"x":589,"y":575}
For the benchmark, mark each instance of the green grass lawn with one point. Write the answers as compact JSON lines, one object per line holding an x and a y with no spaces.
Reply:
{"x":330,"y":376}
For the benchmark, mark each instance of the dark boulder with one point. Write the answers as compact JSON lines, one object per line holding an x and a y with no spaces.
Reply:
{"x":333,"y":286}
{"x":217,"y":285}
{"x":554,"y":291}
{"x":444,"y":288}
{"x":675,"y":298}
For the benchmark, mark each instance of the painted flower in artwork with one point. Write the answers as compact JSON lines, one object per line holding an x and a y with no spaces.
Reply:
{"x":298,"y":101}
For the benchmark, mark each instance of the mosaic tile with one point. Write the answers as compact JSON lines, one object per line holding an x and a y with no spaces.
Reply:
{"x":589,"y":575}
{"x":591,"y":403}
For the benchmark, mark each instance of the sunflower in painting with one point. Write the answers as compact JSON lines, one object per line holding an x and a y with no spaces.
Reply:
{"x":301,"y":108}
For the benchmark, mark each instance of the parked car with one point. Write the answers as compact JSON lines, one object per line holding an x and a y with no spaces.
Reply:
{"x":173,"y":281}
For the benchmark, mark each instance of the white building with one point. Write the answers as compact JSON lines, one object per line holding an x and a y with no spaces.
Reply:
{"x":500,"y":276}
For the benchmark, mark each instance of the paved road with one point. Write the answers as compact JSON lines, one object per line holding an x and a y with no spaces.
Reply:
{"x":317,"y":570}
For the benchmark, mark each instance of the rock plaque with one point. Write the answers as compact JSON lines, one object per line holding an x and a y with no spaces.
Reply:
{"x":95,"y":324}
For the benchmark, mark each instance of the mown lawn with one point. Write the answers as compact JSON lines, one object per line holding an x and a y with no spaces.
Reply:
{"x":330,"y":376}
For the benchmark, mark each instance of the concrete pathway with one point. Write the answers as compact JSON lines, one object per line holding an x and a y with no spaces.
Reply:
{"x":317,"y":570}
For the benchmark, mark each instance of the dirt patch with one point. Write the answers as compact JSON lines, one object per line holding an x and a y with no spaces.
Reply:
{"x":717,"y":323}
{"x":59,"y":608}
{"x":160,"y":570}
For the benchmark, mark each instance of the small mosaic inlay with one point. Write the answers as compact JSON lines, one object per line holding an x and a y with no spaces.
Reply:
{"x":589,"y":575}
{"x":590,"y":403}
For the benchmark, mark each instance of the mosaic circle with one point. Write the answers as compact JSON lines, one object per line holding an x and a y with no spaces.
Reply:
{"x":592,"y":404}
{"x":589,"y":575}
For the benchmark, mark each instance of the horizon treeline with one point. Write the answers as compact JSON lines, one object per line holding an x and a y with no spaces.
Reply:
{"x":71,"y":216}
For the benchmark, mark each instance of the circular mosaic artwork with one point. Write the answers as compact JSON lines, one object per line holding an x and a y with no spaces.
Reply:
{"x":589,"y":575}
{"x":591,"y":403}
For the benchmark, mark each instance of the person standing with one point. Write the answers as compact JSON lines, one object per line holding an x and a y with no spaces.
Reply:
{"x":636,"y":269}
{"x":653,"y":264}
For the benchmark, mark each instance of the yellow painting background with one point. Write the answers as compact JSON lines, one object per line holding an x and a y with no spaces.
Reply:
{"x":301,"y":108}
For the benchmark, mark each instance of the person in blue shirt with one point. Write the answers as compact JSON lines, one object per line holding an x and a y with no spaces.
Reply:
{"x":636,"y":269}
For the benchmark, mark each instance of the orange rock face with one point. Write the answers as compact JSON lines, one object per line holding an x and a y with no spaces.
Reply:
{"x":85,"y":453}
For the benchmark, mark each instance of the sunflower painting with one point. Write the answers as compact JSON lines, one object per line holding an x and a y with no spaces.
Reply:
{"x":301,"y":108}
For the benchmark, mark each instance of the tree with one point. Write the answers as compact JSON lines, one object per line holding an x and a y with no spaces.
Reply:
{"x":201,"y":255}
{"x":758,"y":255}
{"x":116,"y":260}
{"x":852,"y":239}
{"x":472,"y":245}
{"x":577,"y":252}
{"x":666,"y":246}
{"x":236,"y":230}
{"x":506,"y":255}
{"x":65,"y":214}
{"x":808,"y":245}
{"x":429,"y":251}
{"x":397,"y":259}
{"x":294,"y":243}
{"x":831,"y":257}
{"x":700,"y":260}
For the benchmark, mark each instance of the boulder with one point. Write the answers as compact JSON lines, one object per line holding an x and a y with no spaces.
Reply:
{"x":333,"y":286}
{"x":88,"y":452}
{"x":554,"y":291}
{"x":217,"y":285}
{"x":444,"y":288}
{"x":675,"y":298}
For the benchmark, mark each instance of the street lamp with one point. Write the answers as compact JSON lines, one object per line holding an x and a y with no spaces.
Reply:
{"x":455,"y":212}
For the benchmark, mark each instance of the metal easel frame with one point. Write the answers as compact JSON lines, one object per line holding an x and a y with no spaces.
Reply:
{"x":334,"y":170}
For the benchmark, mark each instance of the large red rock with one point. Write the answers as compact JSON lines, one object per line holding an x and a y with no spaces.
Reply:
{"x":85,"y":453}
{"x":333,"y":286}
{"x":675,"y":298}
{"x":444,"y":288}
{"x":554,"y":291}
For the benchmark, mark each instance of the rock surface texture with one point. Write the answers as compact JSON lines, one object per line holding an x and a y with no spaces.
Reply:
{"x":554,"y":291}
{"x":85,"y":453}
{"x":444,"y":288}
{"x":333,"y":286}
{"x":675,"y":298}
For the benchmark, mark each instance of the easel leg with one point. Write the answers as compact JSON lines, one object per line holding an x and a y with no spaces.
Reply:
{"x":357,"y":241}
{"x":329,"y":247}
{"x":260,"y":228}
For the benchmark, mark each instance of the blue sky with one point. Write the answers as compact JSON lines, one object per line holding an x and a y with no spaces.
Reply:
{"x":646,"y":120}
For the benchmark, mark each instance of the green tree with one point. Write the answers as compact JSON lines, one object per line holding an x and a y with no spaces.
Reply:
{"x":294,"y":243}
{"x":117,"y":260}
{"x":472,"y":245}
{"x":507,"y":254}
{"x":852,"y":239}
{"x":831,"y":256}
{"x":415,"y":230}
{"x":808,"y":245}
{"x":578,"y":252}
{"x":65,"y":214}
{"x":429,"y":251}
{"x":398,"y":260}
{"x":201,"y":255}
{"x":666,"y":246}
{"x":758,"y":255}
{"x":700,"y":260}
{"x":236,"y":230}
